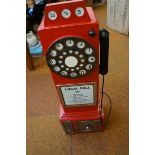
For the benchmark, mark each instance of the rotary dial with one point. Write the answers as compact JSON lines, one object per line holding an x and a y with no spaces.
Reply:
{"x":71,"y":57}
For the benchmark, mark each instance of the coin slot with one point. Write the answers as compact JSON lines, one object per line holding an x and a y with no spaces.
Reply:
{"x":79,"y":12}
{"x":52,"y":15}
{"x":66,"y":13}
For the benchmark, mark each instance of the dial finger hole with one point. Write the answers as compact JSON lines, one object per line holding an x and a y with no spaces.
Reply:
{"x":89,"y":66}
{"x":82,"y":72}
{"x":67,"y":69}
{"x":73,"y":74}
{"x":52,"y":62}
{"x":59,"y":46}
{"x":53,"y":53}
{"x":89,"y":51}
{"x":81,"y":44}
{"x":56,"y":68}
{"x":91,"y":59}
{"x":64,"y":73}
{"x":70,"y":43}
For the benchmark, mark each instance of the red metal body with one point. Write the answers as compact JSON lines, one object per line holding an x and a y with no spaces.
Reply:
{"x":50,"y":31}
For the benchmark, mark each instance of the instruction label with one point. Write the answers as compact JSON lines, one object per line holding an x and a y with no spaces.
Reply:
{"x":75,"y":95}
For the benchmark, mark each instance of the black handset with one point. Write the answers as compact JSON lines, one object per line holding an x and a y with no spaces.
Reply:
{"x":104,"y":51}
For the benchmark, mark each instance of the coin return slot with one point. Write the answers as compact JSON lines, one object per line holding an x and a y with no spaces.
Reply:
{"x":85,"y":126}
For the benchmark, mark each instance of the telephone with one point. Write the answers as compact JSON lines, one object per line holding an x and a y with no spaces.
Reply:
{"x":71,"y":40}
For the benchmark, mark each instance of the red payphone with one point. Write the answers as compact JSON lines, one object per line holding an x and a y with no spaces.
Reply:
{"x":71,"y":40}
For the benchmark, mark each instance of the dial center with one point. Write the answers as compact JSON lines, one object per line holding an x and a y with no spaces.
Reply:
{"x":71,"y":61}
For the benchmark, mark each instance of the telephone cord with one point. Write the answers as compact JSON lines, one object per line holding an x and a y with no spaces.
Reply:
{"x":101,"y":106}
